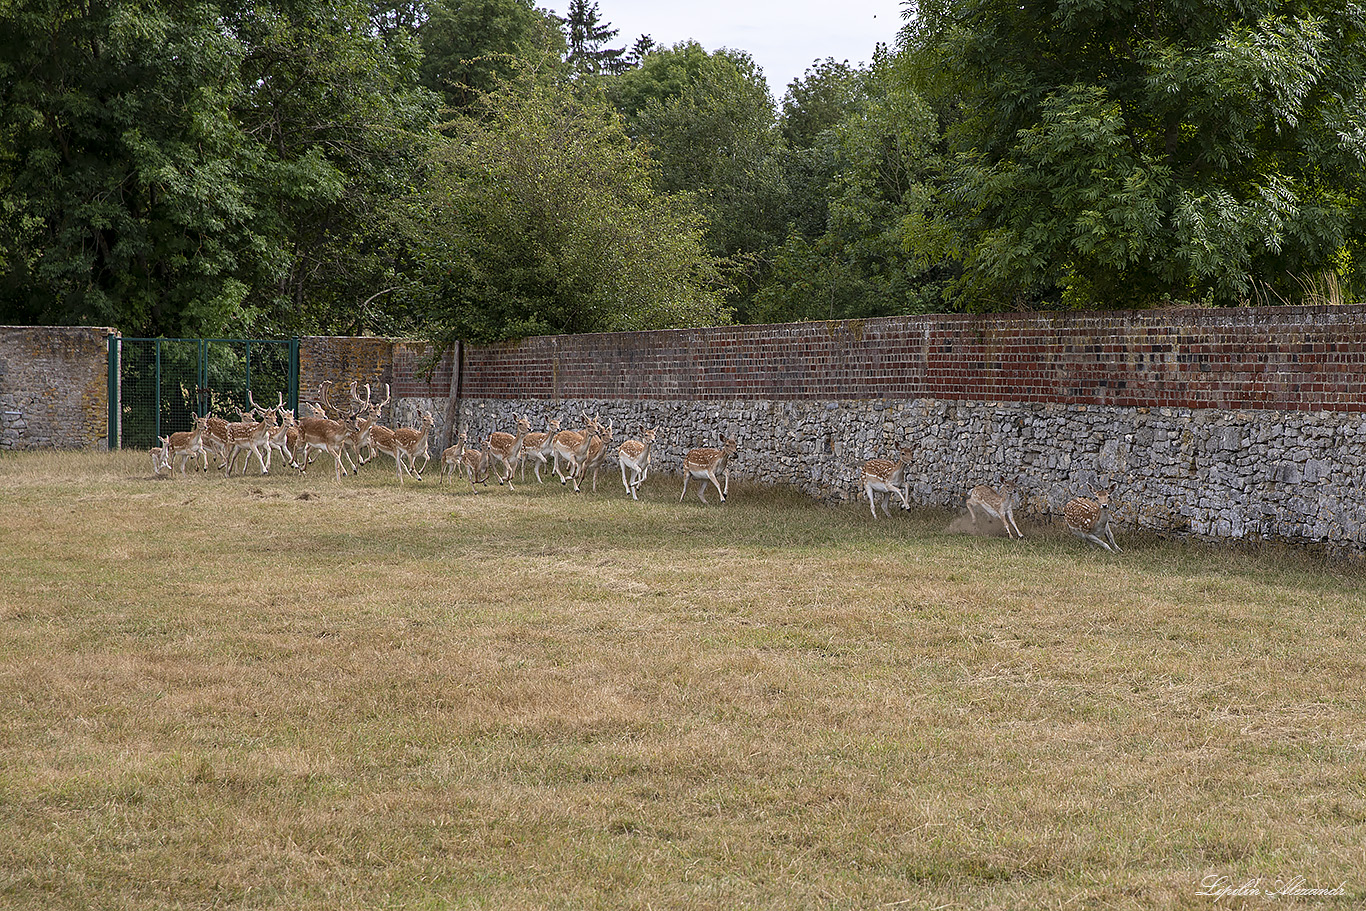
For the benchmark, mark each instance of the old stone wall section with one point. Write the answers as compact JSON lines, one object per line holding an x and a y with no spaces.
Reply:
{"x":54,"y":391}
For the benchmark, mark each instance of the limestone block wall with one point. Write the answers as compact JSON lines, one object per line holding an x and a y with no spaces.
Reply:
{"x":1253,"y":474}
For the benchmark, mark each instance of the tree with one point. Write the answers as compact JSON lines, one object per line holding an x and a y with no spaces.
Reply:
{"x":542,"y":217}
{"x":587,"y":35}
{"x":128,"y":191}
{"x":708,"y":121}
{"x":860,"y":141}
{"x":468,"y":46}
{"x":340,"y":122}
{"x":1137,"y":151}
{"x":202,"y":168}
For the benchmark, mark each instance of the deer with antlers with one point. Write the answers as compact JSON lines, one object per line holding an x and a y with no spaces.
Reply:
{"x":634,"y":455}
{"x":320,"y":433}
{"x":1089,"y":518}
{"x":249,"y":437}
{"x":705,"y":464}
{"x":883,"y":477}
{"x":280,"y":435}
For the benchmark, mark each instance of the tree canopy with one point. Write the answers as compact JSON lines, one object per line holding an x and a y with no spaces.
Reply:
{"x":541,"y":217}
{"x":483,"y":169}
{"x":1140,"y":151}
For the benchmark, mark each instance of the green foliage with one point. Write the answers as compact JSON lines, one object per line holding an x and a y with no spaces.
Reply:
{"x":858,"y":142}
{"x":588,"y":36}
{"x":469,"y":46}
{"x":708,"y":121}
{"x":128,"y":191}
{"x":1122,"y":154}
{"x":198,"y":169}
{"x":542,"y":217}
{"x":340,"y":121}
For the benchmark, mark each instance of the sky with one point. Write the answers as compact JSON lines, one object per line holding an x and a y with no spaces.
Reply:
{"x":783,"y":36}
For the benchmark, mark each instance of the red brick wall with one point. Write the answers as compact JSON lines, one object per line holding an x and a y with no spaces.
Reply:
{"x":1292,"y":358}
{"x":371,"y":360}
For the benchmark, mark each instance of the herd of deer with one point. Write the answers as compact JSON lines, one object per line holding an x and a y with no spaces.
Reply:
{"x":355,"y":435}
{"x":1087,"y":517}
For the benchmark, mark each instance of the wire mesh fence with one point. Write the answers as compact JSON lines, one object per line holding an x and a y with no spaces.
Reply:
{"x":162,"y":384}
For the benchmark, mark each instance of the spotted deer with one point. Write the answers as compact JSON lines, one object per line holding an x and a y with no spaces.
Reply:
{"x":506,"y":450}
{"x":594,"y":456}
{"x":451,"y":461}
{"x":1090,"y":518}
{"x":997,"y":504}
{"x":634,"y":455}
{"x":571,"y":447}
{"x":538,"y":448}
{"x":159,"y":458}
{"x":882,"y":478}
{"x":281,"y":434}
{"x":475,"y":464}
{"x":250,"y":437}
{"x":410,"y":443}
{"x":704,"y":464}
{"x":320,"y":433}
{"x":181,"y":446}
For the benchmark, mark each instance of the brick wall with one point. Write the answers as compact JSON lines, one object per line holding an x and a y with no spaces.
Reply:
{"x":1292,"y":358}
{"x":405,"y":365}
{"x":54,"y":389}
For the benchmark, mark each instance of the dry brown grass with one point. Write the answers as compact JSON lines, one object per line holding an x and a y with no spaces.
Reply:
{"x":220,"y":693}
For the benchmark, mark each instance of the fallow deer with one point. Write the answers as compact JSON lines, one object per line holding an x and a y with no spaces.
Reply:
{"x":506,"y":449}
{"x":634,"y":455}
{"x":320,"y":433}
{"x":593,"y":457}
{"x":451,"y":461}
{"x":183,"y":445}
{"x":1090,"y":518}
{"x":999,"y":505}
{"x":538,"y":448}
{"x":216,"y":439}
{"x":475,"y":464}
{"x":159,"y":458}
{"x":571,"y":447}
{"x":704,"y":464}
{"x":883,"y":477}
{"x":249,"y":437}
{"x":281,"y":435}
{"x":410,"y":443}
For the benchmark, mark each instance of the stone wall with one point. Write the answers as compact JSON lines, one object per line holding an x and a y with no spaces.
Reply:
{"x":1231,"y":424}
{"x":54,"y":387}
{"x":1247,"y":474}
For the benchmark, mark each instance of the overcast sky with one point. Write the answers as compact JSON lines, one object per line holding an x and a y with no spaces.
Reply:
{"x":783,"y":36}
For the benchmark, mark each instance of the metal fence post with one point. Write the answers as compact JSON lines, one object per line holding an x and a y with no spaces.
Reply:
{"x":113,"y":365}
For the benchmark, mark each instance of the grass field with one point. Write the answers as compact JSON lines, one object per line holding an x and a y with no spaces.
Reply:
{"x":290,"y":694}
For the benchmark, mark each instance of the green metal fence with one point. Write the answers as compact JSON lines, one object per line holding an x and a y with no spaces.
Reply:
{"x":158,"y":385}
